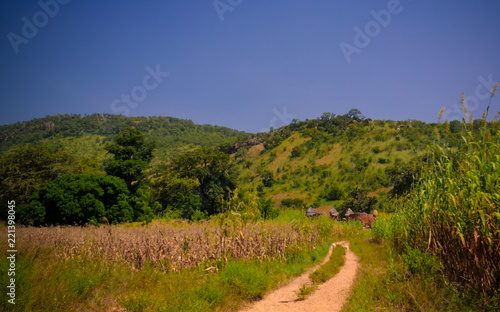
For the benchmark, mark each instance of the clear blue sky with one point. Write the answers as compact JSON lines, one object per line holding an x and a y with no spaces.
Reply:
{"x":263,"y":64}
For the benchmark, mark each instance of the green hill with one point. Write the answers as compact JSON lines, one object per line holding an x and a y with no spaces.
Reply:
{"x":318,"y":162}
{"x":86,"y":135}
{"x":321,"y":161}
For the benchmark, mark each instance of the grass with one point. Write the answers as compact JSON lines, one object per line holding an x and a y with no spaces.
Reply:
{"x":49,"y":280}
{"x":331,"y":268}
{"x":99,"y":285}
{"x":386,"y":282}
{"x":305,"y":291}
{"x":327,"y":163}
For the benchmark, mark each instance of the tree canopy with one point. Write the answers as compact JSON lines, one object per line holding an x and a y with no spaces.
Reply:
{"x":198,"y":180}
{"x":79,"y":199}
{"x":132,"y":155}
{"x":25,"y":169}
{"x":358,"y":201}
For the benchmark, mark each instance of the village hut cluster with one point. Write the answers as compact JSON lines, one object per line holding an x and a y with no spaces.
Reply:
{"x":367,"y":219}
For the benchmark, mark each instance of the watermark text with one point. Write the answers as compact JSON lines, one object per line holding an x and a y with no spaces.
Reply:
{"x":12,"y":251}
{"x":140,"y":92}
{"x":30,"y":28}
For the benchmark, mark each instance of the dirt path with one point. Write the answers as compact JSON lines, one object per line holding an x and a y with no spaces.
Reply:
{"x":329,"y":297}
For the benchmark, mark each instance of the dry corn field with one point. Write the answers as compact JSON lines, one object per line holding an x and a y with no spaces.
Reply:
{"x":170,"y":247}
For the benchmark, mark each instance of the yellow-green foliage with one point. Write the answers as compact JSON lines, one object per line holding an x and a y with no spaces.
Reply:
{"x":454,"y":213}
{"x":305,"y":290}
{"x":325,"y":159}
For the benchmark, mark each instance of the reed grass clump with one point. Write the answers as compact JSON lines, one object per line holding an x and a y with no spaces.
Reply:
{"x":453,"y":213}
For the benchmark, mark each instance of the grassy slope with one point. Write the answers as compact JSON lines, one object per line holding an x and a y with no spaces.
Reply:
{"x":306,"y":176}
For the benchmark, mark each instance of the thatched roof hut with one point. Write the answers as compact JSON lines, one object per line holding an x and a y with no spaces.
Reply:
{"x":310,"y":212}
{"x":349,"y":212}
{"x":375,"y":213}
{"x":334,"y":213}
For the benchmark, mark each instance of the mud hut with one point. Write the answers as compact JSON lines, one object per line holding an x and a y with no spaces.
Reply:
{"x":334,"y":214}
{"x":310,"y":212}
{"x":349,"y":212}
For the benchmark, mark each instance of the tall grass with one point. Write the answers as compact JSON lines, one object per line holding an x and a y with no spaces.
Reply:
{"x":171,"y":247}
{"x":202,"y":266}
{"x":385,"y":282}
{"x":453,"y":213}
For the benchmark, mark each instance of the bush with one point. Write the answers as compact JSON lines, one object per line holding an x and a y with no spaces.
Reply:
{"x":376,"y":150}
{"x":79,"y":199}
{"x":266,"y":209}
{"x":297,"y":151}
{"x":295,"y":203}
{"x":332,"y":192}
{"x":382,"y":160}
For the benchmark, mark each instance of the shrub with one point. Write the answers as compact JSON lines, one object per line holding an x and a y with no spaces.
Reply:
{"x":295,"y":203}
{"x":376,"y":150}
{"x":382,"y":160}
{"x":332,"y":192}
{"x":266,"y":209}
{"x":296,"y":152}
{"x":79,"y":199}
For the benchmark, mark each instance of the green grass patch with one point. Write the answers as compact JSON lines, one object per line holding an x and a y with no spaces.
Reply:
{"x":386,"y":283}
{"x":332,"y":267}
{"x":247,"y":280}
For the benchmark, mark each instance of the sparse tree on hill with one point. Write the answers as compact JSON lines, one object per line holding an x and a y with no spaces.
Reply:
{"x":354,"y":114}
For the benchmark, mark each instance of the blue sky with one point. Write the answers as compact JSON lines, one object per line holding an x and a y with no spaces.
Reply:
{"x":247,"y":65}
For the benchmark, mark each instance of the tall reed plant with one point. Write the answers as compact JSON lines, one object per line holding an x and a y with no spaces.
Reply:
{"x":453,"y":211}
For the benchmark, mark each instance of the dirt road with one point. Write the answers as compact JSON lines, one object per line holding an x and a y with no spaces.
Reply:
{"x":329,"y":297}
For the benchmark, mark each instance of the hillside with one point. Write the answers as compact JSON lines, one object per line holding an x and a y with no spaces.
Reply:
{"x":86,"y":135}
{"x":318,"y":162}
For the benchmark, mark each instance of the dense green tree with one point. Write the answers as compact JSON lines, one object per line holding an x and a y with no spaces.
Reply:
{"x":132,"y":155}
{"x":326,"y":116}
{"x":214,"y":174}
{"x":25,"y":169}
{"x":79,"y":199}
{"x":332,"y":192}
{"x":266,"y":209}
{"x":272,"y":141}
{"x":176,"y":193}
{"x":403,"y":175}
{"x":297,"y":151}
{"x":354,"y":114}
{"x":268,"y":178}
{"x":358,"y":201}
